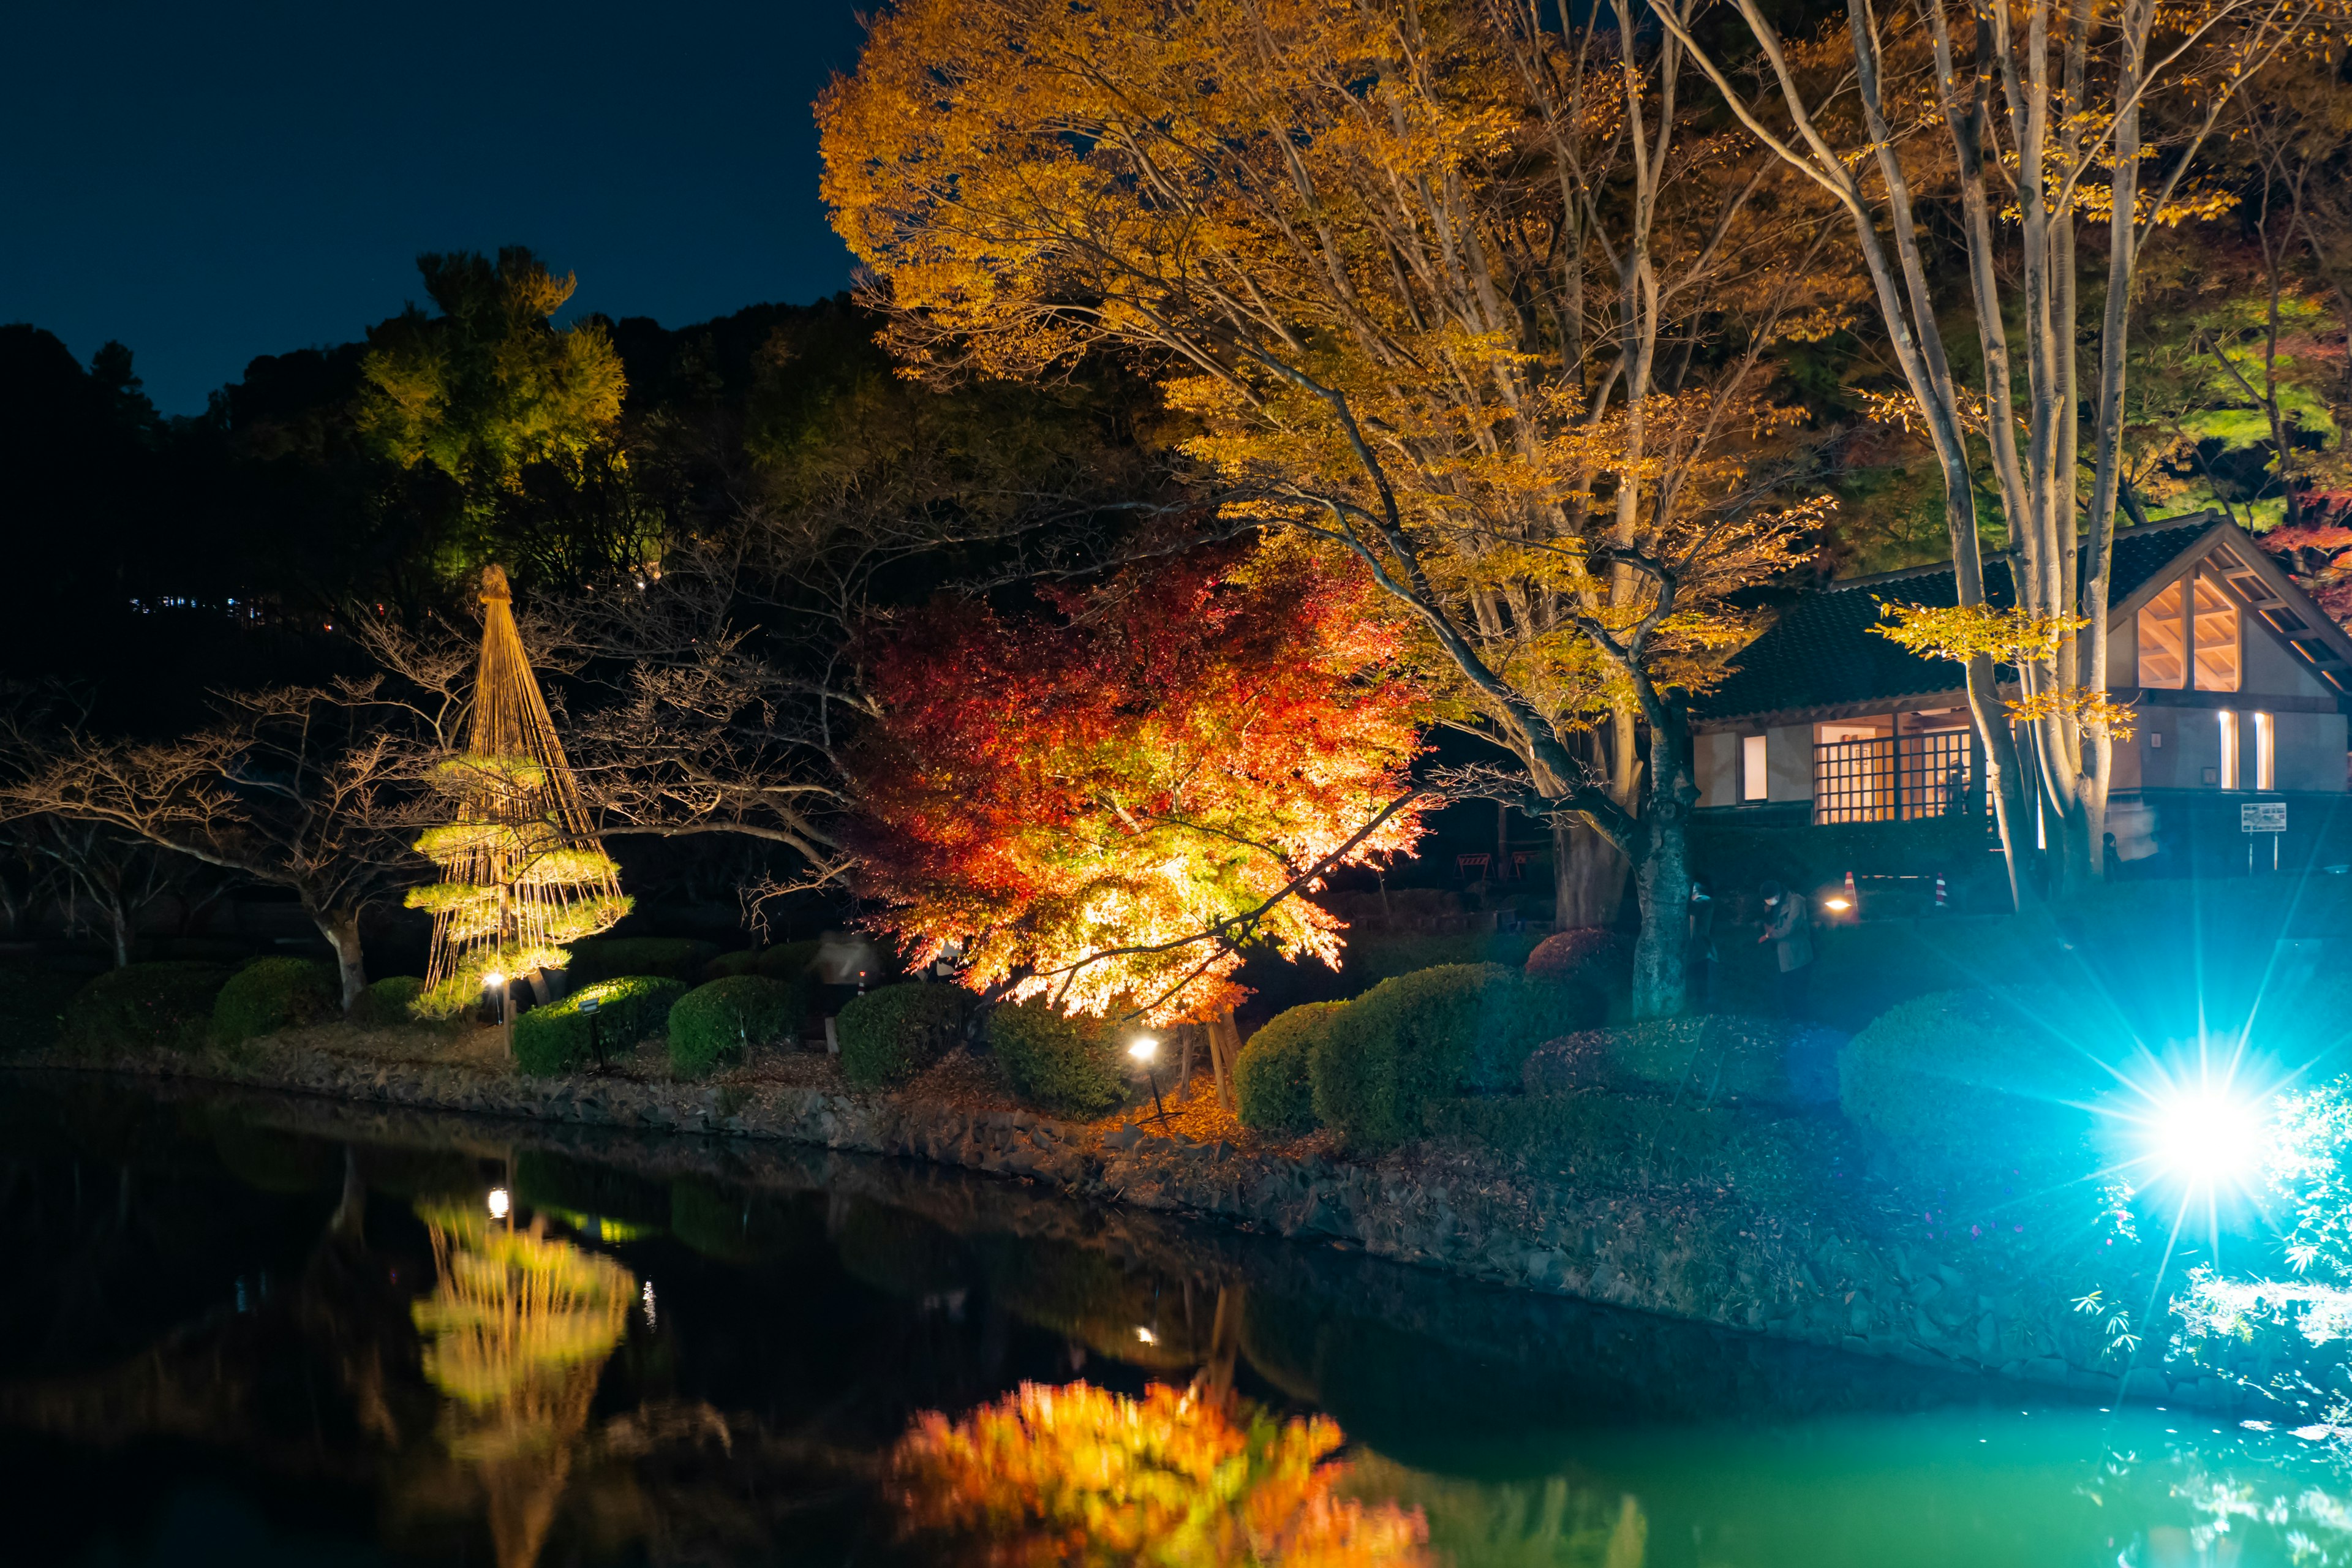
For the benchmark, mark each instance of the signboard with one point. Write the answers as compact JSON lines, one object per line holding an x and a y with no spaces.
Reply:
{"x":2263,"y":816}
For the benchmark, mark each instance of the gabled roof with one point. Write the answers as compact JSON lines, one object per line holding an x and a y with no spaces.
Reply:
{"x":1821,"y":653}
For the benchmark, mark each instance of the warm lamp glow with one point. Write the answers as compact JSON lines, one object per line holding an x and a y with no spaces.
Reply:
{"x":499,"y":1203}
{"x":1147,"y":1336}
{"x":1144,"y":1049}
{"x":1839,"y":904}
{"x":493,"y":980}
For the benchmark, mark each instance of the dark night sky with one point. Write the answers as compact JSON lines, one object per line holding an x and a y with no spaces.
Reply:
{"x":210,"y":183}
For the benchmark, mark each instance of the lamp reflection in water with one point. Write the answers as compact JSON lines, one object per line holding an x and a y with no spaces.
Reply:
{"x":517,"y":1332}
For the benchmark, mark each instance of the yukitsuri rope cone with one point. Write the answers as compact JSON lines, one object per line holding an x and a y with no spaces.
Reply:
{"x":521,"y":874}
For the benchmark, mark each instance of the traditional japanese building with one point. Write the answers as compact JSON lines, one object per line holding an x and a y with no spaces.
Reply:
{"x":2240,"y":683}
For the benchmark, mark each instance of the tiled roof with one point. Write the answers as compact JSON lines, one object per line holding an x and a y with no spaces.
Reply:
{"x":1821,"y":653}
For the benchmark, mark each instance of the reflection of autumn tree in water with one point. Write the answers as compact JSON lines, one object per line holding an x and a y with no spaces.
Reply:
{"x":518,"y":1329}
{"x":1078,"y":1474}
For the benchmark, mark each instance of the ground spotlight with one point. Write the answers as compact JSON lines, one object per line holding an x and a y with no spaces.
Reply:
{"x":2206,"y":1135}
{"x":499,"y":1203}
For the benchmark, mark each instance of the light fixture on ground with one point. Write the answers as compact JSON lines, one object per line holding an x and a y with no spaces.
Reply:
{"x":1144,"y":1049}
{"x":500,"y":1205}
{"x":2206,"y":1134}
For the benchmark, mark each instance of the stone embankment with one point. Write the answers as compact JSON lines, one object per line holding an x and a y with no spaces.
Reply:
{"x":1696,"y":1256}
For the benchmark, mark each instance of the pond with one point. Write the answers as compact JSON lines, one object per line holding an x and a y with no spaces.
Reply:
{"x":258,"y":1330}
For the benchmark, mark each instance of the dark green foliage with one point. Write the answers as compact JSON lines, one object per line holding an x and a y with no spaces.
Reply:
{"x":789,"y":961}
{"x":1709,"y":1056}
{"x":1374,"y":954}
{"x":889,"y":1036}
{"x":737,"y":1012}
{"x":675,"y":958}
{"x":742,"y":961}
{"x":146,"y":1007}
{"x":1272,"y":1079}
{"x":1461,"y":1028}
{"x":1630,"y":1142}
{"x":1062,"y":1064}
{"x":272,"y":994}
{"x":555,"y":1039}
{"x":546,"y":1180}
{"x":32,"y":1003}
{"x":1592,"y":954}
{"x":1978,"y":1076}
{"x":386,"y":1004}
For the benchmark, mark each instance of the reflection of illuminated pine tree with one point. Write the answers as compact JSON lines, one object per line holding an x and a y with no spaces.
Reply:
{"x":519,"y":1330}
{"x":521,"y":875}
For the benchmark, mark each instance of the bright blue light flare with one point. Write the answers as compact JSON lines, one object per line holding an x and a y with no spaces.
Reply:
{"x":2207,"y":1135}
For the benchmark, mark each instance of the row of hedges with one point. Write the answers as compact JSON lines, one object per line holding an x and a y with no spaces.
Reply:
{"x":557,"y":1038}
{"x":180,"y":1005}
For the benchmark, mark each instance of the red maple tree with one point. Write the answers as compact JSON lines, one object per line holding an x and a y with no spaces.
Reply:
{"x":1099,"y":803}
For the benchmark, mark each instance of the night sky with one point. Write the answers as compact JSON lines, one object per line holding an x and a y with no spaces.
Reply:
{"x":211,"y":182}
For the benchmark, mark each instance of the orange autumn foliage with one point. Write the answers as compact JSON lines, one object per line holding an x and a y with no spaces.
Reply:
{"x":1080,"y":1475}
{"x":1099,"y":804}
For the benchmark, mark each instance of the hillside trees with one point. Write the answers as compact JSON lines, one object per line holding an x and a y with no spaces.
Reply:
{"x":2028,"y":126}
{"x":1466,"y":299}
{"x":1103,"y":805}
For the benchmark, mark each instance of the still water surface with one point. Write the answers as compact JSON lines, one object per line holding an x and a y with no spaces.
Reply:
{"x":259,"y":1331}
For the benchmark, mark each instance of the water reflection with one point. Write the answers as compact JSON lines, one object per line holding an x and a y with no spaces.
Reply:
{"x":725,"y":1353}
{"x":518,"y":1329}
{"x":1079,"y":1474}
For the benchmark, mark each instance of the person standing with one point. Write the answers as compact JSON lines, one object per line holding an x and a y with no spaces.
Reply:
{"x":1788,"y":924}
{"x":1699,"y":962}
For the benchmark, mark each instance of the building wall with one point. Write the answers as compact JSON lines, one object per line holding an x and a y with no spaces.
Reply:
{"x":1788,"y":762}
{"x":2309,"y":748}
{"x":1714,"y":759}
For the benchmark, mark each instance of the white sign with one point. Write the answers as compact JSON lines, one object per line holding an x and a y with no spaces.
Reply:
{"x":2263,"y":816}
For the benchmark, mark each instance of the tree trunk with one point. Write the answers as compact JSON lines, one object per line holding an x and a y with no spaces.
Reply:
{"x":1588,"y":875}
{"x":342,"y":930}
{"x":1663,"y":883}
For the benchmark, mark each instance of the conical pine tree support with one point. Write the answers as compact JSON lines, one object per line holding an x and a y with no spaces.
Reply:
{"x":521,"y":873}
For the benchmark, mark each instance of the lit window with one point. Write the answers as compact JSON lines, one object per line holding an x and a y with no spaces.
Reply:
{"x":2161,"y":661}
{"x":1753,"y":778}
{"x":2228,"y":779}
{"x":2217,"y":636}
{"x":2265,"y":753}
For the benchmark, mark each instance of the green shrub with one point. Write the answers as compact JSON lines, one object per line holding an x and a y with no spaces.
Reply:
{"x":275,"y":993}
{"x":1973,"y":1075}
{"x":1709,"y":1056}
{"x":743,"y":1010}
{"x":789,"y":961}
{"x":1062,"y":1064}
{"x":1590,"y":955}
{"x":1631,"y":1142}
{"x":1272,"y":1079}
{"x":166,"y":1006}
{"x":386,"y":1002}
{"x":1374,"y":954}
{"x":678,"y":958}
{"x":32,"y":1005}
{"x":890,"y":1034}
{"x":742,"y":961}
{"x":1461,"y":1028}
{"x":555,"y":1039}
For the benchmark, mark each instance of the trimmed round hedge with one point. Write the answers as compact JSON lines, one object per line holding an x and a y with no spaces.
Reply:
{"x":275,"y":993}
{"x":1062,"y":1064}
{"x":678,"y":958}
{"x":1271,"y":1079}
{"x":743,"y":1010}
{"x":146,"y":1007}
{"x":1708,"y":1057}
{"x":555,"y":1039}
{"x":890,"y":1034}
{"x":388,"y":1003}
{"x":1973,"y":1076}
{"x":1459,"y":1028}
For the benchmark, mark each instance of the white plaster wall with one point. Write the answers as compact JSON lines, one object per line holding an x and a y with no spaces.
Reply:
{"x":1788,"y":762}
{"x":2274,"y":669}
{"x":2310,"y":750}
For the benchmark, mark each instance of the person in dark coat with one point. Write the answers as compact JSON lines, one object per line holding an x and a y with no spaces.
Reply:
{"x":1788,"y":925}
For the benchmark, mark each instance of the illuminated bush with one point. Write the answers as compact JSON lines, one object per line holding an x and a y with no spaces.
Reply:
{"x":1272,"y":1079}
{"x":1592,"y":955}
{"x":890,"y":1034}
{"x":275,"y":993}
{"x":1078,"y":1474}
{"x":1461,"y":1028}
{"x":388,"y":1002}
{"x":733,"y":1014}
{"x":555,"y":1039}
{"x":1996,"y":1078}
{"x":146,"y":1007}
{"x":1061,"y":1063}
